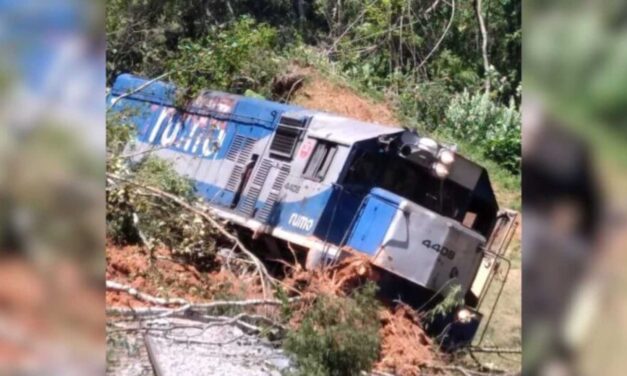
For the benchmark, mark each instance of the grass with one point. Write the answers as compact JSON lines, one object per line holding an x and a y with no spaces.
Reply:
{"x":504,"y":330}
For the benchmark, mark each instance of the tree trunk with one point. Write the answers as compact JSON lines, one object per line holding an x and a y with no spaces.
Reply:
{"x":484,"y":43}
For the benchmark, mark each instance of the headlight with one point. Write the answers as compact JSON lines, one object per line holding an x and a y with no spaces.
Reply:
{"x":447,"y":157}
{"x":440,"y":170}
{"x":465,"y":316}
{"x":428,"y":145}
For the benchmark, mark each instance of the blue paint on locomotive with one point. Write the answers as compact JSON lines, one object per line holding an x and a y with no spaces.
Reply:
{"x":250,"y":117}
{"x":315,"y":207}
{"x":157,"y":92}
{"x":264,"y":113}
{"x":220,"y":117}
{"x":338,"y":215}
{"x":311,"y":207}
{"x":373,"y":220}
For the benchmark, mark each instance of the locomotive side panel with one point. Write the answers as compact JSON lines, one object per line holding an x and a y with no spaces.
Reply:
{"x":310,"y":186}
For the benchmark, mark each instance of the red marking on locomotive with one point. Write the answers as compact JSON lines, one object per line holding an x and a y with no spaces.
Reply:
{"x":306,"y":148}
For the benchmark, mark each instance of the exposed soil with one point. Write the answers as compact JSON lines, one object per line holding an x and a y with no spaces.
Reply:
{"x":49,"y":309}
{"x":405,"y":346}
{"x":338,"y":279}
{"x":167,"y":277}
{"x":319,"y":93}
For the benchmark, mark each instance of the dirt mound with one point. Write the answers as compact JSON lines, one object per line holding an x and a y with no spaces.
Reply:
{"x":320,"y":93}
{"x":338,"y":279}
{"x":404,"y":345}
{"x":167,"y":277}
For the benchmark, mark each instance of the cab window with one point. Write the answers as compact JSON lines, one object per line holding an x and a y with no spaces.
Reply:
{"x":320,"y":161}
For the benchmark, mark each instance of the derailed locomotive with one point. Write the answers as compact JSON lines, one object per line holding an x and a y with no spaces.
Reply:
{"x":424,"y":215}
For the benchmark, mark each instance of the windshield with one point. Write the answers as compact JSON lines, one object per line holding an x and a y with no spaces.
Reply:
{"x":417,"y":184}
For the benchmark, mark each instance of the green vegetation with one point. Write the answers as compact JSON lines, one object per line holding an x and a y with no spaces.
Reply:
{"x":338,"y":335}
{"x":495,"y":129}
{"x":236,"y":57}
{"x":453,"y":299}
{"x":426,"y":58}
{"x":134,"y":217}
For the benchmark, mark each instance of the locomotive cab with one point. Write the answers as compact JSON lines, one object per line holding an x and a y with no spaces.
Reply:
{"x":425,"y":218}
{"x":421,"y":218}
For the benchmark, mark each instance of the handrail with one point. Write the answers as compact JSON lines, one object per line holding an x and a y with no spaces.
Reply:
{"x":498,"y":297}
{"x":498,"y":257}
{"x":500,"y":251}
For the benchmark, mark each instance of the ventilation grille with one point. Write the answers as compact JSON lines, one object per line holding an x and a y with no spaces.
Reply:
{"x":235,"y":178}
{"x":239,"y":152}
{"x":266,"y":210}
{"x":262,"y":173}
{"x":247,"y":149}
{"x":236,"y":146}
{"x":240,"y":149}
{"x":247,"y":207}
{"x":286,"y":137}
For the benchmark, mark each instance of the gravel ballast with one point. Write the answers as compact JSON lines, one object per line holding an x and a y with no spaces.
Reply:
{"x":183,"y":347}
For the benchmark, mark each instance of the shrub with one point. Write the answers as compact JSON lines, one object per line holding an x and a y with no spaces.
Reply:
{"x":135,"y":216}
{"x":453,"y":299}
{"x":493,"y":128}
{"x":119,"y":133}
{"x":236,"y":57}
{"x":427,"y":103}
{"x":338,"y":335}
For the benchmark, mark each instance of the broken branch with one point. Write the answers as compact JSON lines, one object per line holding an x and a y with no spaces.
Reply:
{"x":186,"y":307}
{"x":115,"y":286}
{"x":264,"y":276}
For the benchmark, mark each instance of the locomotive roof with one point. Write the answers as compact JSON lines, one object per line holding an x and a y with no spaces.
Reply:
{"x":345,"y":130}
{"x":326,"y":126}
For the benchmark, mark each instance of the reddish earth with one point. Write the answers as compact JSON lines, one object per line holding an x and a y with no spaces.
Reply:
{"x":167,"y":277}
{"x":405,"y":347}
{"x":48,"y":307}
{"x":323,"y":94}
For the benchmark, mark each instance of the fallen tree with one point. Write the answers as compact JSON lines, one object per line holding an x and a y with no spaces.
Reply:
{"x":184,"y":308}
{"x":144,"y":189}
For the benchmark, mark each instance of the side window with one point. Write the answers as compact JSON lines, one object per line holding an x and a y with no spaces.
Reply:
{"x":469,"y":219}
{"x":320,"y":161}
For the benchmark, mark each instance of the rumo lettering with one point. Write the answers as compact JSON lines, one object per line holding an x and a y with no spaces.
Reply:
{"x":301,"y":222}
{"x":208,"y":140}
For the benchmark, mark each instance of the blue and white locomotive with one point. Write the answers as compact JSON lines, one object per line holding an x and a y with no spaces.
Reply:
{"x":421,"y":212}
